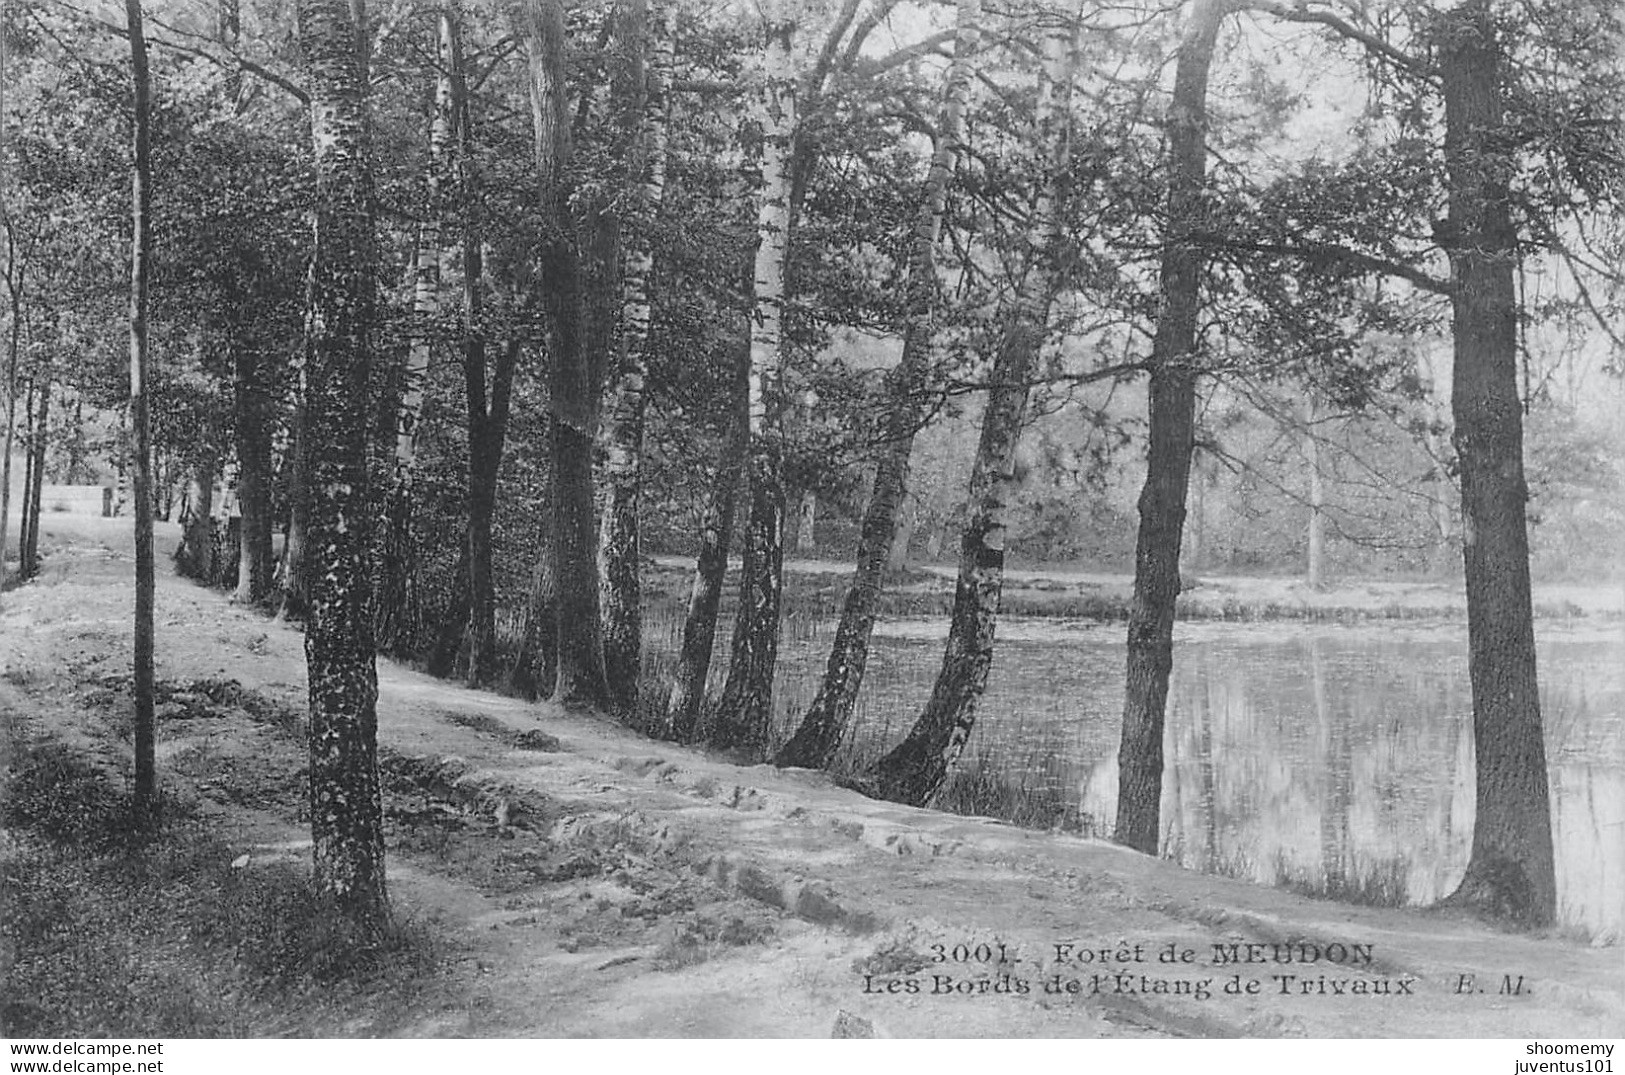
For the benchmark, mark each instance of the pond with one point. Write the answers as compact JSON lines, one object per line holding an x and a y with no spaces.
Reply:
{"x":1335,"y":760}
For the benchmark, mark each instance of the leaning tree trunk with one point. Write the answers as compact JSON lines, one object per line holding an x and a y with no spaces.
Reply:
{"x":744,"y":713}
{"x":1172,"y":412}
{"x":146,"y":770}
{"x":914,"y":771}
{"x":687,"y":694}
{"x":346,"y":816}
{"x":1510,"y":873}
{"x":581,"y":680}
{"x":819,"y":736}
{"x":640,"y":104}
{"x":399,"y":613}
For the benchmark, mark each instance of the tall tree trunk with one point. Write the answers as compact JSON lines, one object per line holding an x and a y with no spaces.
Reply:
{"x":253,"y":433}
{"x":346,"y":815}
{"x":474,"y":627}
{"x":399,"y":613}
{"x":9,"y":440}
{"x":28,"y":472}
{"x":145,"y":802}
{"x":292,"y":596}
{"x":824,"y":725}
{"x":33,"y":491}
{"x":14,"y":295}
{"x":1172,"y":412}
{"x":196,"y":557}
{"x":581,"y":680}
{"x":640,"y":108}
{"x":1317,"y":500}
{"x":745,"y":711}
{"x":914,"y":771}
{"x":536,"y":666}
{"x":482,"y":514}
{"x":487,"y":407}
{"x":1510,"y":873}
{"x":807,"y":525}
{"x":687,"y":695}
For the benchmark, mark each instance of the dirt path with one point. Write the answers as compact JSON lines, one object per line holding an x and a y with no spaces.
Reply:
{"x":591,"y":882}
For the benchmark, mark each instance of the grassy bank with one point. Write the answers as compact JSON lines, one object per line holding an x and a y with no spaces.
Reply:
{"x":113,"y":933}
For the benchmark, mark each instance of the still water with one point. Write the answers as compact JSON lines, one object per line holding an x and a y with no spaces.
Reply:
{"x":1333,"y":759}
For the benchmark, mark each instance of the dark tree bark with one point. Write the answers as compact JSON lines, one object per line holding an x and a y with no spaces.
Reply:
{"x":824,"y":725}
{"x":146,"y":770}
{"x":1510,"y":873}
{"x":39,"y":441}
{"x":487,"y":408}
{"x":486,"y":439}
{"x":23,"y":570}
{"x":471,"y":629}
{"x":345,"y":805}
{"x":1172,"y":412}
{"x":253,"y":433}
{"x":914,"y":771}
{"x":11,"y":423}
{"x":687,"y":695}
{"x":535,"y":668}
{"x":580,"y":677}
{"x":745,"y":710}
{"x":197,"y":556}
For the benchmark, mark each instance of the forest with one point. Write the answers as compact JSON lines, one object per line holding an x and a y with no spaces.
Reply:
{"x":632,"y":354}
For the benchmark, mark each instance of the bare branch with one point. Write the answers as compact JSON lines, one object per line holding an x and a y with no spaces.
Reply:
{"x":1302,"y":13}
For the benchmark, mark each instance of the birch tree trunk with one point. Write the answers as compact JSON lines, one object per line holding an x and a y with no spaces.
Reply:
{"x":824,"y":725}
{"x":915,"y":770}
{"x":399,"y":601}
{"x":1510,"y":873}
{"x":145,"y":804}
{"x":1172,"y":410}
{"x":346,"y":816}
{"x":744,"y":712}
{"x":639,"y":105}
{"x":1317,"y":499}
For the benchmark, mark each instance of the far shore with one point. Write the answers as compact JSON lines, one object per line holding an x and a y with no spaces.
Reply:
{"x":1055,"y":592}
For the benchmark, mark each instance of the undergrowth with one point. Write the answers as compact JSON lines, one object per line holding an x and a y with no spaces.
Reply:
{"x":116,"y":934}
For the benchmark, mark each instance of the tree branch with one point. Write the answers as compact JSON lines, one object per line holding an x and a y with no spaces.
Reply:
{"x":1331,"y":252}
{"x":1301,"y":13}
